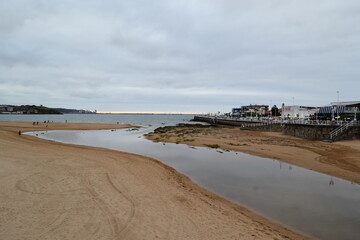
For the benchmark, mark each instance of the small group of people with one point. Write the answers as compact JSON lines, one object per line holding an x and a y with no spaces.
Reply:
{"x":37,"y":123}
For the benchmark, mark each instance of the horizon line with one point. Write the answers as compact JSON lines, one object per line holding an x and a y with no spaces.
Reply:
{"x":145,"y":112}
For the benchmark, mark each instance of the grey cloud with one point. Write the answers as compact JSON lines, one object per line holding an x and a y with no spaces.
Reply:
{"x":182,"y":53}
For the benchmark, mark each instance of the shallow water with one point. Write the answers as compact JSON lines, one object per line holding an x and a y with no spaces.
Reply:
{"x":135,"y":119}
{"x":316,"y":204}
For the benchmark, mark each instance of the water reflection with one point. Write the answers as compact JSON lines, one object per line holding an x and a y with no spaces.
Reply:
{"x":294,"y":196}
{"x":331,"y":181}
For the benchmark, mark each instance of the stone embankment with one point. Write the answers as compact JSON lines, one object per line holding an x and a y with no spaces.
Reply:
{"x":306,"y":131}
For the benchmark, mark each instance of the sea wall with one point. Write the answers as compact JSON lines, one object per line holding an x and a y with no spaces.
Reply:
{"x":203,"y":119}
{"x":221,"y":121}
{"x":265,"y":128}
{"x":311,"y":132}
{"x":352,"y":134}
{"x":319,"y":132}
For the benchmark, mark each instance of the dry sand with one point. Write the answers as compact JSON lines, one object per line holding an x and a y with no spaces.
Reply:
{"x":340,"y":159}
{"x":50,"y":190}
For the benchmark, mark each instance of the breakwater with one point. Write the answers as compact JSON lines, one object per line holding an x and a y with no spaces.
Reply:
{"x":306,"y":131}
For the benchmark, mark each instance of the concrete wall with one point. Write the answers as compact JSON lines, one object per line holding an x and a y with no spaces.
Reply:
{"x":318,"y":132}
{"x":265,"y":128}
{"x":220,"y":121}
{"x":311,"y":132}
{"x":203,"y":119}
{"x":351,"y":134}
{"x":230,"y":122}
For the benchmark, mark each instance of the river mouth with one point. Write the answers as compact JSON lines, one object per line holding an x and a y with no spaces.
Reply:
{"x":317,"y":204}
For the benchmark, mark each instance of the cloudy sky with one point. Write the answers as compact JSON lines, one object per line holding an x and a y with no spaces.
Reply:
{"x":178,"y":55}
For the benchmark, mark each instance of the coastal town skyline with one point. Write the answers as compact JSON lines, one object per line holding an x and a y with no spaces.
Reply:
{"x":260,"y":109}
{"x":178,"y":57}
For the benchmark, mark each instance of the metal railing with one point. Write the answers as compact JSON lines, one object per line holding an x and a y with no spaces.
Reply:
{"x":336,"y":132}
{"x":269,"y":120}
{"x":256,"y":124}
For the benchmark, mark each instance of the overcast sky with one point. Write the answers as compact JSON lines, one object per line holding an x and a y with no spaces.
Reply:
{"x":178,"y":55}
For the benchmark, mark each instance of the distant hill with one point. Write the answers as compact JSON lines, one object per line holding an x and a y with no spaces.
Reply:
{"x":33,"y":109}
{"x":27,"y":109}
{"x":74,"y":111}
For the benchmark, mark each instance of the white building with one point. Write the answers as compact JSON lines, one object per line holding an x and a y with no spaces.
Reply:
{"x":346,"y":110}
{"x":300,"y":112}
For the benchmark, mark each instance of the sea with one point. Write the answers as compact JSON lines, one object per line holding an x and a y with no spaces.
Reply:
{"x":136,"y":119}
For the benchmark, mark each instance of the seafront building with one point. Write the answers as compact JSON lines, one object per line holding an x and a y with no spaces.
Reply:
{"x":334,"y":111}
{"x":298,"y":112}
{"x":337,"y":121}
{"x":286,"y":112}
{"x":344,"y":110}
{"x":250,"y":111}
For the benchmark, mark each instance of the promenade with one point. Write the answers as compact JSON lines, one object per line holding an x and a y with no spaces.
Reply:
{"x":303,"y":128}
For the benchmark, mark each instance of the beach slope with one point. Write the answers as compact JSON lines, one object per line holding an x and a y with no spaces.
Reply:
{"x":50,"y":190}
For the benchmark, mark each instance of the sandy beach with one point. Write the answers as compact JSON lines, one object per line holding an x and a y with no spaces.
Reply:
{"x":340,"y":159}
{"x":50,"y":190}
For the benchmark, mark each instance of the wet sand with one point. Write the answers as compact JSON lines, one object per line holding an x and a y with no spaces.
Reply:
{"x":50,"y":190}
{"x":340,"y":159}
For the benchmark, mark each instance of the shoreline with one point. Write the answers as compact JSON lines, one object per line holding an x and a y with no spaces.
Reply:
{"x":82,"y":192}
{"x":340,"y":159}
